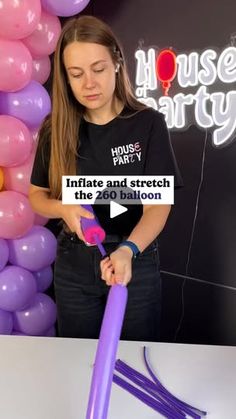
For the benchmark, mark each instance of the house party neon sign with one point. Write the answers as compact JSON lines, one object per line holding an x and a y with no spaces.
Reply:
{"x":195,"y":73}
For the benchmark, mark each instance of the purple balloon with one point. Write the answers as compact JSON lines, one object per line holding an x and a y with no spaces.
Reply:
{"x":106,"y":353}
{"x":6,"y":322}
{"x":34,"y":251}
{"x":17,"y":288}
{"x":4,"y":253}
{"x":39,"y":316}
{"x":50,"y":333}
{"x":31,"y":104}
{"x":43,"y":278}
{"x":64,"y":8}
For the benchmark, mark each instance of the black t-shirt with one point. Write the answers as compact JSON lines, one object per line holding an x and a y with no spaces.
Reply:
{"x":134,"y":143}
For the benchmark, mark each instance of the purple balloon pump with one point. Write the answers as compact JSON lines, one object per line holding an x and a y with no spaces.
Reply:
{"x":104,"y":365}
{"x":93,"y":232}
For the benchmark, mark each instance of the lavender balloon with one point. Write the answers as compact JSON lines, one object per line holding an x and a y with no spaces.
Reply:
{"x":106,"y":353}
{"x":31,"y":104}
{"x":17,"y":288}
{"x":64,"y":8}
{"x":4,"y":253}
{"x":34,"y":251}
{"x":37,"y":317}
{"x":6,"y":322}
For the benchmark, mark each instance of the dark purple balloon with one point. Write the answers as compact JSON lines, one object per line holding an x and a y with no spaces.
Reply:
{"x":43,"y":278}
{"x":37,"y":317}
{"x":30,"y":104}
{"x":4,"y":253}
{"x":6,"y":322}
{"x":17,"y":288}
{"x":34,"y":251}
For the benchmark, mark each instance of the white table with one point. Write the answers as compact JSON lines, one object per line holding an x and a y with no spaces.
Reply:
{"x":49,"y":378}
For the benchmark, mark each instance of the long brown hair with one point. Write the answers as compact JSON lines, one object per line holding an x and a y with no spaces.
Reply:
{"x":63,"y":123}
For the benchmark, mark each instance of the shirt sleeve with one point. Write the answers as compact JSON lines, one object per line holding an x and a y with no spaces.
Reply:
{"x":39,"y":175}
{"x":160,"y":159}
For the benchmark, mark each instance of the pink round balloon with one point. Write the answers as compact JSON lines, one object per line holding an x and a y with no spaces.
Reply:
{"x":38,"y":316}
{"x":15,"y":141}
{"x":39,"y":220}
{"x":19,"y":18}
{"x":15,"y":65}
{"x":16,"y":215}
{"x":44,"y":38}
{"x":41,"y":69}
{"x":18,"y":178}
{"x":17,"y":288}
{"x":35,"y":250}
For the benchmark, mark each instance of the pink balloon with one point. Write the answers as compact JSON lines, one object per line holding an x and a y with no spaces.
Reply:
{"x":39,"y":220}
{"x":38,"y":316}
{"x":15,"y":141}
{"x":19,"y":18}
{"x":15,"y":65}
{"x":44,"y":38}
{"x":18,"y":178}
{"x":41,"y":69}
{"x":16,"y":215}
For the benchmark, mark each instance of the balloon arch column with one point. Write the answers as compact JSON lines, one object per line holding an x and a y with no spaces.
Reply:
{"x":29,"y":31}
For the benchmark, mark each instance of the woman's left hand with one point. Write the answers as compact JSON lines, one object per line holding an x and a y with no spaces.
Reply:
{"x":117,"y":269}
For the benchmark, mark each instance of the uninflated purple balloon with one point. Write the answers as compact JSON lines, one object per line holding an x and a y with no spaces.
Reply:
{"x":37,"y":317}
{"x":31,"y":104}
{"x":17,"y":288}
{"x":6,"y":322}
{"x":64,"y":8}
{"x":4,"y":253}
{"x":35,"y":250}
{"x":43,"y":278}
{"x":16,"y":215}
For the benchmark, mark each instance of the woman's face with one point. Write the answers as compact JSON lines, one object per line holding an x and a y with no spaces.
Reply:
{"x":91,"y":74}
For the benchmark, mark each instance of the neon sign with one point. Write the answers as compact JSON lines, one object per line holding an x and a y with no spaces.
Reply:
{"x":198,"y":102}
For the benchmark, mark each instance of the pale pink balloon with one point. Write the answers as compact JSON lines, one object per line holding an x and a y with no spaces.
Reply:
{"x":19,"y":18}
{"x":39,"y":220}
{"x":16,"y":215}
{"x":41,"y":69}
{"x":15,"y":141}
{"x":17,"y":178}
{"x":15,"y":65}
{"x":44,"y":38}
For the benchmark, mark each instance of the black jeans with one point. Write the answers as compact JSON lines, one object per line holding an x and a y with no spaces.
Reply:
{"x":81,"y":294}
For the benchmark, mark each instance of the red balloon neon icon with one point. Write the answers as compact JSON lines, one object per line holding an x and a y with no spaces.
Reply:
{"x":166,"y":68}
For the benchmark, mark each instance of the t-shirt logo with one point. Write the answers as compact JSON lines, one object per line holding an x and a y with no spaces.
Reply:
{"x":126,"y":154}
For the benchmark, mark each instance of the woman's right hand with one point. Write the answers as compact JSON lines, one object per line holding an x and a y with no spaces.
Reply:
{"x":72,"y":214}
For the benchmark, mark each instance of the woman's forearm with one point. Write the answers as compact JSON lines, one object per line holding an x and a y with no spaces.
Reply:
{"x":150,"y":225}
{"x":42,"y":204}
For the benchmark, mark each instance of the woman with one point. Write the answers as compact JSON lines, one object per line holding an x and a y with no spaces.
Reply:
{"x":94,"y":113}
